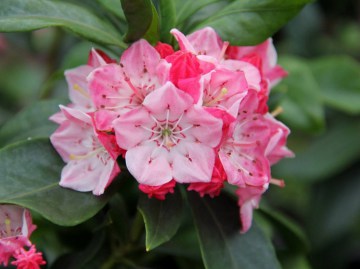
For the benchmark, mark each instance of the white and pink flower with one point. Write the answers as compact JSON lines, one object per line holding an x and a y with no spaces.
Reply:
{"x":195,"y":116}
{"x":15,"y":229}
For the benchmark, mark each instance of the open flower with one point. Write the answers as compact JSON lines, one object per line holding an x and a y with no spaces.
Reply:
{"x":168,"y":137}
{"x":77,"y":84}
{"x":119,"y":88}
{"x":15,"y":229}
{"x":91,"y":164}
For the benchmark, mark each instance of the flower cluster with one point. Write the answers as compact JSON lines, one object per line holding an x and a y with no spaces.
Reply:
{"x":197,"y":115}
{"x":15,"y":229}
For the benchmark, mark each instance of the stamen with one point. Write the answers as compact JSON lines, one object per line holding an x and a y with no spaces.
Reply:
{"x":150,"y":130}
{"x":223,"y":50}
{"x":220,"y":96}
{"x":7,"y":226}
{"x":277,"y":111}
{"x":278,"y":182}
{"x":177,"y":122}
{"x":156,"y":121}
{"x":183,"y":130}
{"x":118,"y":97}
{"x":76,"y":87}
{"x":88,"y":155}
{"x":241,"y":144}
{"x":112,"y":107}
{"x":167,"y":119}
{"x":134,"y":89}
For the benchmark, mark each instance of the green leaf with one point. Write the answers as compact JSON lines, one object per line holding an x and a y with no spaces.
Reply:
{"x":167,"y":19}
{"x":19,"y":15}
{"x":339,"y":80}
{"x":249,"y":22}
{"x":30,"y":174}
{"x":302,"y":103}
{"x":290,"y":231}
{"x":31,"y":122}
{"x":162,"y":218}
{"x":139,"y":16}
{"x":222,"y":245}
{"x":325,"y":155}
{"x":152,"y":34}
{"x":187,"y":8}
{"x":113,"y":6}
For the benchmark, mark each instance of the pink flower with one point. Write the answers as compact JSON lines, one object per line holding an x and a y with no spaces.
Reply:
{"x":249,"y":199}
{"x":117,"y":89}
{"x":15,"y":229}
{"x":77,"y":84}
{"x":168,"y":137}
{"x":212,"y":188}
{"x":158,"y":192}
{"x":276,"y":148}
{"x":28,"y":259}
{"x":207,"y":45}
{"x":90,"y":155}
{"x":243,"y":152}
{"x":263,"y":56}
{"x":224,"y":89}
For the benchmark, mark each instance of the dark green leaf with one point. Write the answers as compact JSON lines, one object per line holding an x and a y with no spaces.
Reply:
{"x":167,"y":19}
{"x":339,"y":80}
{"x":222,"y":245}
{"x":186,"y":8}
{"x":18,"y":15}
{"x":254,"y":21}
{"x":302,"y":104}
{"x":139,"y":16}
{"x":30,"y":174}
{"x":294,"y":260}
{"x":324,"y":156}
{"x":113,"y":6}
{"x":152,"y":34}
{"x":162,"y":218}
{"x":291,"y":232}
{"x":80,"y":259}
{"x":30,"y":122}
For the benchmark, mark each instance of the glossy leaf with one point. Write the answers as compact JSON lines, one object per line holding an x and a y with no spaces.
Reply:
{"x":162,"y":218}
{"x":30,"y":173}
{"x":82,"y":258}
{"x":139,"y":16}
{"x":222,"y":245}
{"x":187,"y":8}
{"x":30,"y":122}
{"x":302,"y":103}
{"x":113,"y":6}
{"x":325,"y":155}
{"x":290,"y":231}
{"x":152,"y":34}
{"x":339,"y":80}
{"x":167,"y":19}
{"x":254,"y":21}
{"x":18,"y":15}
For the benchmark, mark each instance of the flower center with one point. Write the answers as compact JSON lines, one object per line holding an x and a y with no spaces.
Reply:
{"x":167,"y":133}
{"x":216,"y":97}
{"x":8,"y":232}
